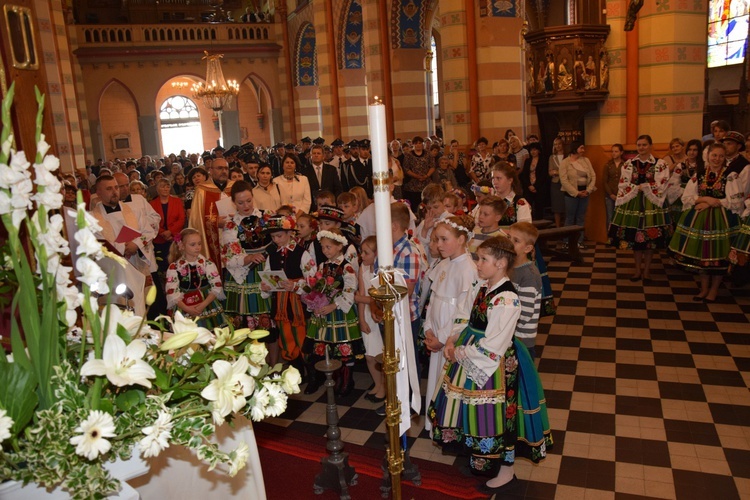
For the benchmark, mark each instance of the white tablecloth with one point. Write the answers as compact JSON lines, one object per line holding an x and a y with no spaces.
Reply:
{"x":177,"y":474}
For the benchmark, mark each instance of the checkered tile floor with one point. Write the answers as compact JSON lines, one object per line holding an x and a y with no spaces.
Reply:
{"x":647,"y":390}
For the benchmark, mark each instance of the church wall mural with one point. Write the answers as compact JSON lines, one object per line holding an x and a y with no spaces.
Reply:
{"x":350,"y":53}
{"x":307,"y":66}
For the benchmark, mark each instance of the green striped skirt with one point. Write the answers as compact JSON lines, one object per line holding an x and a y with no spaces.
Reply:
{"x":338,"y":331}
{"x":244,"y":299}
{"x":640,"y":225}
{"x":740,"y":252}
{"x":703,"y":239}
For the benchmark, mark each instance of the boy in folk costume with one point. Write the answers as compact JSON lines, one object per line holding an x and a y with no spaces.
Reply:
{"x":285,"y":254}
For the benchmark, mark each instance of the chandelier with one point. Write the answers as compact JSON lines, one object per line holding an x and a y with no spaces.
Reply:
{"x":217,"y":92}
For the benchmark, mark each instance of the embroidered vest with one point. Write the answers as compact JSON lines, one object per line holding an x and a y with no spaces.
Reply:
{"x":478,"y":317}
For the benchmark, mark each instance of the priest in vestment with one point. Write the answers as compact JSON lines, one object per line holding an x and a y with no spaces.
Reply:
{"x":204,"y":216}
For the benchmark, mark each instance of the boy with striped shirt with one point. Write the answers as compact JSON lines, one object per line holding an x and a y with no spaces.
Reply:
{"x":528,"y":283}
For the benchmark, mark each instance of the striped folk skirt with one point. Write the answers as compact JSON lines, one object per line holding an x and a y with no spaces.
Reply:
{"x":339,"y":332}
{"x":703,"y":240}
{"x":504,"y":419}
{"x":640,"y":225}
{"x":740,"y":252}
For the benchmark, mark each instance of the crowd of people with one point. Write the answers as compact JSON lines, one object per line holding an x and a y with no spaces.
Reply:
{"x":283,"y":239}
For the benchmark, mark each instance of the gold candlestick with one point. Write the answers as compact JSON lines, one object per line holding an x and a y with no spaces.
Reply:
{"x":387,"y":295}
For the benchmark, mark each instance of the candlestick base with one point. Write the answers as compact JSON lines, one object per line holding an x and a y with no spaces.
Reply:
{"x":337,"y":474}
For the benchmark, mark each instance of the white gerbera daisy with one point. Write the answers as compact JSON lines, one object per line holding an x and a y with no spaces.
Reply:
{"x":239,"y":458}
{"x":276,"y":400}
{"x":91,"y":442}
{"x":6,"y":423}
{"x":157,"y":435}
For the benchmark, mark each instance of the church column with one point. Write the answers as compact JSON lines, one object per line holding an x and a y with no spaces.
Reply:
{"x":672,"y":59}
{"x":326,"y":57}
{"x":456,"y":84}
{"x":409,"y":92}
{"x":286,"y":110}
{"x":499,"y":66}
{"x":376,"y":50}
{"x":608,"y":125}
{"x":331,"y":42}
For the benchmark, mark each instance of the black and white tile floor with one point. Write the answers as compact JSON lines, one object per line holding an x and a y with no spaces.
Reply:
{"x":647,"y":390}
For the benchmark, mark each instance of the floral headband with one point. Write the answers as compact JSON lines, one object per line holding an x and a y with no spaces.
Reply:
{"x":332,"y":236}
{"x":481,"y":189}
{"x":458,"y":227}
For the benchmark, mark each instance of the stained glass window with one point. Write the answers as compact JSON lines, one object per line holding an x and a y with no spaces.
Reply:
{"x":727,"y":31}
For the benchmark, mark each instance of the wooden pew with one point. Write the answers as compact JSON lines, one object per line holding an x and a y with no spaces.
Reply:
{"x":571,"y":233}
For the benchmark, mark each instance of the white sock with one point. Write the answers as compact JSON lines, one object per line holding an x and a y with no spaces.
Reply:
{"x":504,"y":476}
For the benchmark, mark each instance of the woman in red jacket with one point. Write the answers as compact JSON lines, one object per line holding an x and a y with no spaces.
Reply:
{"x":172,"y":213}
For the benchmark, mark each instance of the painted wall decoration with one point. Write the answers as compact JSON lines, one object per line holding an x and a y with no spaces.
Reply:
{"x":497,"y":8}
{"x":307,"y":61}
{"x":408,"y":18}
{"x":727,"y":31}
{"x":351,"y":56}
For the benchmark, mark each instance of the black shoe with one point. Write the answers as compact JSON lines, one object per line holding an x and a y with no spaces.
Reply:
{"x":380,"y":411}
{"x":635,"y":279}
{"x":373,"y":398}
{"x":706,"y":300}
{"x":698,"y":298}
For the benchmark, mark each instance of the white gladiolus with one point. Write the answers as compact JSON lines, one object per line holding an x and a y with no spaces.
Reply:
{"x":88,"y":244}
{"x":49,"y":199}
{"x":92,"y":275}
{"x":42,"y":147}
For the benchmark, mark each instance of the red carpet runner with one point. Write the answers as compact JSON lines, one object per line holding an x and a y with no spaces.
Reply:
{"x":291,"y":459}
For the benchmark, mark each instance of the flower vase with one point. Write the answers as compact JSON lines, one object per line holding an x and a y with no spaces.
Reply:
{"x":124,"y":470}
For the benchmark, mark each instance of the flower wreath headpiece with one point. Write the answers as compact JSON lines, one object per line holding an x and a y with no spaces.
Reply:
{"x":332,"y":236}
{"x":469,"y":233}
{"x":481,"y":189}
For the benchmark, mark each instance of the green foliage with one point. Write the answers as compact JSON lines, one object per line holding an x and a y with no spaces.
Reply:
{"x":17,"y":394}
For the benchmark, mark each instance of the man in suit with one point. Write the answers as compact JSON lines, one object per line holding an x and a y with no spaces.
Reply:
{"x":322,"y":176}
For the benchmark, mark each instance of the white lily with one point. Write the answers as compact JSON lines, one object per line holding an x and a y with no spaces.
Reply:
{"x":121,"y":364}
{"x":231,"y":386}
{"x":186,"y":332}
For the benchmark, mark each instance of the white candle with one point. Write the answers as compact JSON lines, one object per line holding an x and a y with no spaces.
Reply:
{"x":382,"y":192}
{"x":328,"y":360}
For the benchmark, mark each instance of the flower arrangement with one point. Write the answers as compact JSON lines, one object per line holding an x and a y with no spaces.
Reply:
{"x":319,"y":290}
{"x":86,"y":384}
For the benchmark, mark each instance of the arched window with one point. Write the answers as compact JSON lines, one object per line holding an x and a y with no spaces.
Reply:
{"x":180,"y":125}
{"x":727,"y":32}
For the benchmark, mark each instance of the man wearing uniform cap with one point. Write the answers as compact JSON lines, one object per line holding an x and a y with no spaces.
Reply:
{"x":304,"y":155}
{"x":359,"y":172}
{"x":218,"y":152}
{"x":734,"y":143}
{"x":319,"y":141}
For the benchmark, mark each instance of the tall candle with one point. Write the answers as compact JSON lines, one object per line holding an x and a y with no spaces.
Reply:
{"x":382,"y":191}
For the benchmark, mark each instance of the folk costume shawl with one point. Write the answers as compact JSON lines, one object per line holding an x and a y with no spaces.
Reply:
{"x":655,"y":189}
{"x":181,"y":267}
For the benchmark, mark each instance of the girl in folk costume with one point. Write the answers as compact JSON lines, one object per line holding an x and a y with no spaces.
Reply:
{"x":508,"y":188}
{"x":193,"y":282}
{"x":713,"y":201}
{"x":284,"y":254}
{"x":329,"y":295}
{"x":490,"y":401}
{"x":243,"y":247}
{"x":739,"y":255}
{"x":369,"y":320}
{"x":452,"y":281}
{"x":330,"y":217}
{"x":641,"y":222}
{"x":682,"y":172}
